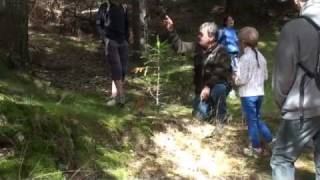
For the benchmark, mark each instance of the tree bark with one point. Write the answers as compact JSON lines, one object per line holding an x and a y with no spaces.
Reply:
{"x":229,"y":6}
{"x":139,"y":27}
{"x":14,"y":31}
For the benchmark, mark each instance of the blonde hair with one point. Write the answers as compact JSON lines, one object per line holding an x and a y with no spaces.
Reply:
{"x":249,"y":35}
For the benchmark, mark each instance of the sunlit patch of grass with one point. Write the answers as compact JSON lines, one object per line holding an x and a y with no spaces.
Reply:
{"x":42,"y":167}
{"x":190,"y":154}
{"x":176,"y":110}
{"x":113,"y":162}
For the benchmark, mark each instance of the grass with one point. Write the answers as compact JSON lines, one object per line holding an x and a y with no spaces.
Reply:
{"x":58,"y":133}
{"x":178,"y":88}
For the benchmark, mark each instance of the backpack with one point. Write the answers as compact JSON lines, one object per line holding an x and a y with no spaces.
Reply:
{"x":106,"y":17}
{"x":313,"y":74}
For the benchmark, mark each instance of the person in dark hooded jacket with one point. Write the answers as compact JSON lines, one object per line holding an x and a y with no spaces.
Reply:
{"x":212,"y":70}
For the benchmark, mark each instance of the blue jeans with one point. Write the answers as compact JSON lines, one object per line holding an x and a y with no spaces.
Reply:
{"x":215,"y":105}
{"x":256,"y":127}
{"x":290,"y":143}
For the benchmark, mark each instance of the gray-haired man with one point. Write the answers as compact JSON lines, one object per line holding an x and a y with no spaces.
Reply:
{"x":296,"y":92}
{"x":212,"y":70}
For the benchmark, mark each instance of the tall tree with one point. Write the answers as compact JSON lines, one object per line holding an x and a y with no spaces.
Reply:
{"x":139,"y":26}
{"x":229,"y":4}
{"x":14,"y":30}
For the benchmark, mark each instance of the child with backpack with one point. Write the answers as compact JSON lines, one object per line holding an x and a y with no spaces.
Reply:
{"x":227,"y":36}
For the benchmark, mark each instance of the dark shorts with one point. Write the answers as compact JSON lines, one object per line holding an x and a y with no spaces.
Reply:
{"x":117,"y":55}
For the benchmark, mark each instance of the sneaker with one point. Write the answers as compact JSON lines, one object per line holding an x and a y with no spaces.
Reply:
{"x":112,"y":101}
{"x":253,"y":152}
{"x":199,"y":116}
{"x":121,"y":100}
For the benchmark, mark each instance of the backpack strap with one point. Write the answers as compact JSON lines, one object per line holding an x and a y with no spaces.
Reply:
{"x":307,"y":71}
{"x":315,"y":25}
{"x":125,"y":7}
{"x":108,"y":5}
{"x":106,"y":14}
{"x":102,"y":18}
{"x":317,"y":28}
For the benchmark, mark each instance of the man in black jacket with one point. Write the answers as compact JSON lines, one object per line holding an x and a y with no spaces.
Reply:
{"x":112,"y":25}
{"x":298,"y":43}
{"x":212,"y":70}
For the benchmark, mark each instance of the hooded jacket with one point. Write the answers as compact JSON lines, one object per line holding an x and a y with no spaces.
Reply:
{"x":298,"y":42}
{"x":112,"y":22}
{"x":211,"y":67}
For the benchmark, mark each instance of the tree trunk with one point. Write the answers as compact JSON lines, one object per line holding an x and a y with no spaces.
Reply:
{"x":229,"y":6}
{"x":139,"y":27}
{"x":2,"y":5}
{"x":14,"y":31}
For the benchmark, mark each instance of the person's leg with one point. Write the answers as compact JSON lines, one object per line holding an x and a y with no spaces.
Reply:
{"x":249,"y":108}
{"x":316,"y":141}
{"x":114,"y":92}
{"x":123,"y":52}
{"x":317,"y":155}
{"x":262,"y":127}
{"x":116,"y":67}
{"x":289,"y":144}
{"x":218,"y":95}
{"x":119,"y":86}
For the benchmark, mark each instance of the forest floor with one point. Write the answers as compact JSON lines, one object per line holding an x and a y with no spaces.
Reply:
{"x":61,"y":127}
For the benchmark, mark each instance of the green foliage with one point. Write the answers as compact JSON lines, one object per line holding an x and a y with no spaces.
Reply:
{"x":53,"y":133}
{"x":175,"y":74}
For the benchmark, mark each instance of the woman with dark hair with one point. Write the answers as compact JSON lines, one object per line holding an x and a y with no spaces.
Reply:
{"x":227,"y":36}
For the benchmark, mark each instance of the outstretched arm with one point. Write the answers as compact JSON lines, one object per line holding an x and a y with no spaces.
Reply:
{"x":178,"y":45}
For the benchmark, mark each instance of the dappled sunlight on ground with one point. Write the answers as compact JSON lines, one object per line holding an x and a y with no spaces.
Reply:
{"x":191,"y":149}
{"x":198,"y":150}
{"x":139,"y":141}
